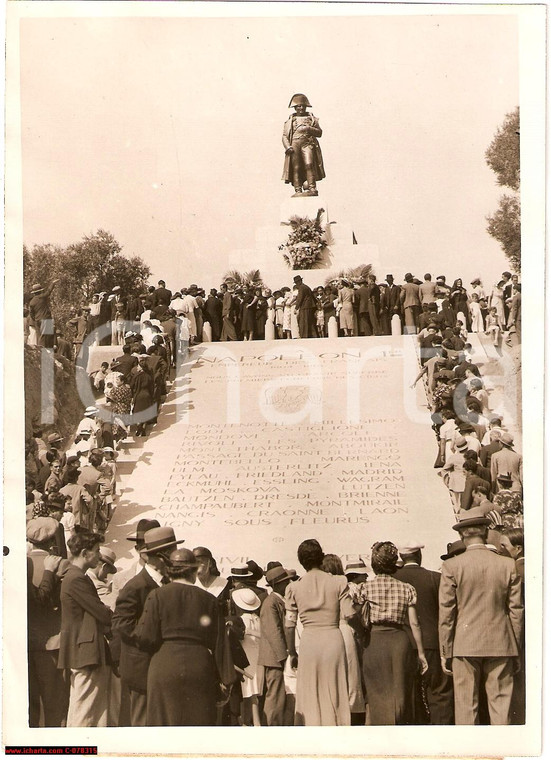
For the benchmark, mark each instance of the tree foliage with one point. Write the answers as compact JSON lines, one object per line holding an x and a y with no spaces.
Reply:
{"x":251,"y":279}
{"x":353,"y":274}
{"x":94,"y":264}
{"x":503,"y":157}
{"x":504,"y":226}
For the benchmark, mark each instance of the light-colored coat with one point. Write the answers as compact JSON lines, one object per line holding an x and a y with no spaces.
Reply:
{"x":481,"y":612}
{"x":507,"y":461}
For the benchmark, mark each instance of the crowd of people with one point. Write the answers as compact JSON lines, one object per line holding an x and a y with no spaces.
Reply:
{"x":169,"y":641}
{"x":359,"y":307}
{"x":172,"y":643}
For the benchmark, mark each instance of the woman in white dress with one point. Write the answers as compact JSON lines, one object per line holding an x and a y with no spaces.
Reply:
{"x":478,"y":288}
{"x":288,"y":303}
{"x":248,"y":604}
{"x":477,"y":321}
{"x":279,"y":308}
{"x":496,"y":299}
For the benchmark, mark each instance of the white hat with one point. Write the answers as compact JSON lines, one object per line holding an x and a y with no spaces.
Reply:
{"x":129,"y":334}
{"x":246,"y":599}
{"x":90,"y":411}
{"x":410,"y":547}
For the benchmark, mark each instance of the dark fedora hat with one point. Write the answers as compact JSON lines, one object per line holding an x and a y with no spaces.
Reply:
{"x":157,"y":539}
{"x":505,"y":479}
{"x":142,"y":527}
{"x":278,"y":574}
{"x":297,"y":278}
{"x":454,"y":548}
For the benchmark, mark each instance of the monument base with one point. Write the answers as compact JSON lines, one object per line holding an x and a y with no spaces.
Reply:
{"x":264,"y":445}
{"x":341,"y":254}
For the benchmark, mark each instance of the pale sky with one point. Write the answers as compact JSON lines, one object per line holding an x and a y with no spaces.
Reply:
{"x":167,"y":132}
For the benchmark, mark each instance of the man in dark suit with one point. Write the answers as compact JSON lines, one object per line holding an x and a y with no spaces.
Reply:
{"x":124,"y":363}
{"x":472,"y":481}
{"x":134,"y":663}
{"x":373,"y":305}
{"x":392,"y":299}
{"x":438,"y":686}
{"x":305,"y":308}
{"x":486,"y":451}
{"x":362,"y":295}
{"x":228,"y":315}
{"x":481,"y":623}
{"x":134,"y":310}
{"x":162,"y":295}
{"x":213,"y":309}
{"x":272,"y":652}
{"x":84,"y":622}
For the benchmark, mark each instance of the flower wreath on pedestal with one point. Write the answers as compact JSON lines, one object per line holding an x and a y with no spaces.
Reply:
{"x":305,"y":244}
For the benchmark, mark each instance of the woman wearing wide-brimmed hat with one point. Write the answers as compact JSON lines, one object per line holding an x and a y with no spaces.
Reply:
{"x":389,"y":661}
{"x":180,"y":625}
{"x":252,"y":686}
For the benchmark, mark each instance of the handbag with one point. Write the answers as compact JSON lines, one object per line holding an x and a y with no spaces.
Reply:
{"x":440,"y":460}
{"x":365,"y":618}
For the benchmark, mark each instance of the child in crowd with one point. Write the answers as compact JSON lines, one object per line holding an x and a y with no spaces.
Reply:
{"x":493,"y":327}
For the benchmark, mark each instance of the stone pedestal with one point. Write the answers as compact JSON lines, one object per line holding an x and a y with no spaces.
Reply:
{"x":396,"y":325}
{"x":332,"y":328}
{"x":341,"y":253}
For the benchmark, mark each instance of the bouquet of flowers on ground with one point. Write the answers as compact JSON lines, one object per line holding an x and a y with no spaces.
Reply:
{"x":304,"y":246}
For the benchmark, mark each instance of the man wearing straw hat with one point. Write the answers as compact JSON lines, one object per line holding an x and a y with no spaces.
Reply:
{"x":480,"y":625}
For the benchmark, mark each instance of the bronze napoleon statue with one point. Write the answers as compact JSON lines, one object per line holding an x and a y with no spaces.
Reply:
{"x":303,"y":160}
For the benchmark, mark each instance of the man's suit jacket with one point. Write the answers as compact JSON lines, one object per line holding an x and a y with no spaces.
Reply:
{"x":114,"y":302}
{"x":471,"y":482}
{"x":213,"y":307}
{"x":426,"y":583}
{"x":374,"y":295}
{"x":392,"y":297}
{"x":487,"y":451}
{"x":134,"y":309}
{"x":272,"y":650}
{"x":305,"y":298}
{"x":124,"y":364}
{"x":227,"y":304}
{"x":481,"y":612}
{"x":134,"y":663}
{"x":362,"y":294}
{"x":84,"y":621}
{"x":162,"y":295}
{"x":410,"y":295}
{"x":507,"y":461}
